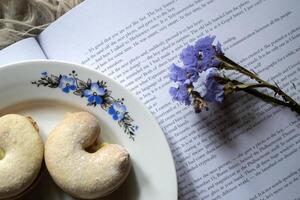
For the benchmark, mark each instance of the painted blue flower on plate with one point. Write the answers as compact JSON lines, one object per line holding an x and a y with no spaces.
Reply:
{"x":67,"y":84}
{"x":117,"y":111}
{"x":95,"y":94}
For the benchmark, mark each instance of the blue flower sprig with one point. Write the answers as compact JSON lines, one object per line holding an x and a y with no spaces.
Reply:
{"x":205,"y":61}
{"x":96,"y":94}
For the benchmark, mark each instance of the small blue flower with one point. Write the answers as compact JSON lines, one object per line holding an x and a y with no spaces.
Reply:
{"x":178,"y":74}
{"x":67,"y":84}
{"x":181,"y":94}
{"x":189,"y":57}
{"x":44,"y":74}
{"x":204,"y":43}
{"x":207,"y":53}
{"x":214,"y":91}
{"x":95,"y":93}
{"x":192,"y":75}
{"x":183,"y":75}
{"x":117,"y":110}
{"x":219,"y":49}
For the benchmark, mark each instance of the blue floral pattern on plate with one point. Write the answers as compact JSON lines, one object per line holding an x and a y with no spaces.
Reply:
{"x":96,"y":94}
{"x":67,"y":84}
{"x":117,"y":111}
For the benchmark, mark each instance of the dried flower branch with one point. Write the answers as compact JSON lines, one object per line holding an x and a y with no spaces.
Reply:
{"x":206,"y":59}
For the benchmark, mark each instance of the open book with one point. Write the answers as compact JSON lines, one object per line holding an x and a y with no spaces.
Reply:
{"x":242,"y":149}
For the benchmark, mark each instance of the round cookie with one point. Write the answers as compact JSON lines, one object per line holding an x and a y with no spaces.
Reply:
{"x":78,"y":171}
{"x":21,"y":155}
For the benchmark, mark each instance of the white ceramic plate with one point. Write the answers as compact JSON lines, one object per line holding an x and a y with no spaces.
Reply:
{"x":60,"y":90}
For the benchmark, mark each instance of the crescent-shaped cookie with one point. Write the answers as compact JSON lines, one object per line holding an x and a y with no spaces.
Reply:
{"x":81,"y":173}
{"x":21,"y":154}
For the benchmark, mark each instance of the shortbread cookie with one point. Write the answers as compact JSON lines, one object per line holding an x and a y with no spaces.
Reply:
{"x":79,"y":172}
{"x":21,"y":154}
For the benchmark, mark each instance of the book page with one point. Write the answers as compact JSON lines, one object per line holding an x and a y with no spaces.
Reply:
{"x":26,"y":49}
{"x":242,"y":149}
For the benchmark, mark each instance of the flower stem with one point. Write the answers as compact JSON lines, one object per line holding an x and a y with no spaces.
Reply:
{"x":251,"y":89}
{"x":229,"y":64}
{"x":271,"y":99}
